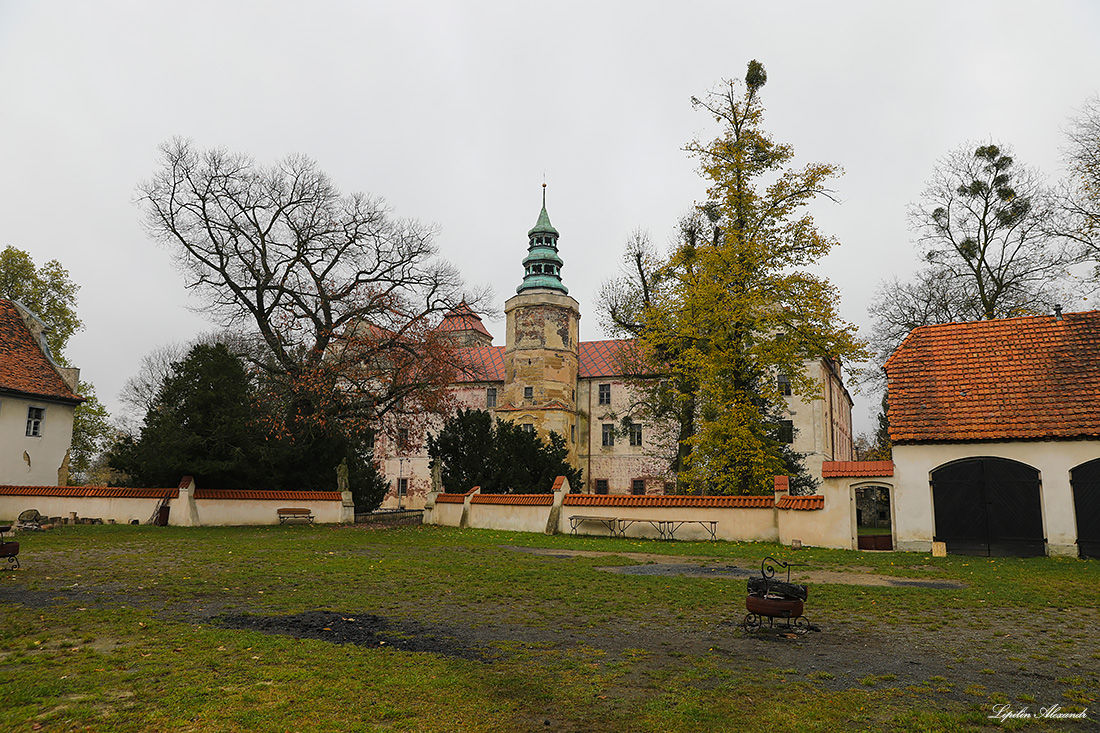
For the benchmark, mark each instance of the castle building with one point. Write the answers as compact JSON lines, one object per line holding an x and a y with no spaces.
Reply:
{"x":546,"y":379}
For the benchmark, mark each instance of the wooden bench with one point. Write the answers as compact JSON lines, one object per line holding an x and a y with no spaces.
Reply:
{"x":288,"y":513}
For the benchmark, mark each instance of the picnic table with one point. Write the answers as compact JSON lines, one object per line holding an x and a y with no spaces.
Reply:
{"x":666,"y":528}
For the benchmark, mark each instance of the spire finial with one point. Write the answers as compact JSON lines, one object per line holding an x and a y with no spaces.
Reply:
{"x":544,"y":194}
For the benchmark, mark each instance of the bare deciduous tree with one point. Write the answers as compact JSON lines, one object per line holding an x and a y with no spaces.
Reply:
{"x":1080,"y":197}
{"x":985,"y":225}
{"x":332,"y":284}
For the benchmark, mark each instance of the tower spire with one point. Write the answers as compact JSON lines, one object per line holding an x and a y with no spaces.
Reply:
{"x":542,"y":265}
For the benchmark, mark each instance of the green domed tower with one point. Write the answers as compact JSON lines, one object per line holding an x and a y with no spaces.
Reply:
{"x":542,"y":265}
{"x":542,"y":346}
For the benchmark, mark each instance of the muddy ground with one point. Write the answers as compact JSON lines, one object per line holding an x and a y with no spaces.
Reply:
{"x":1007,"y":653}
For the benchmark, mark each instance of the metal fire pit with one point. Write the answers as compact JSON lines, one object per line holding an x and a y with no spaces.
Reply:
{"x":773,"y":599}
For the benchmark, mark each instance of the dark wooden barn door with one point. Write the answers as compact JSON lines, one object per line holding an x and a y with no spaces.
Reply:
{"x":1085,"y":480}
{"x":988,"y":506}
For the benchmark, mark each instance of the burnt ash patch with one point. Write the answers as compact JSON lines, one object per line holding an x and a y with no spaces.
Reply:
{"x":360,"y":629}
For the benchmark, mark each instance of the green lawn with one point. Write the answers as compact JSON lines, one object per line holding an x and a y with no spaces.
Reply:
{"x":120,"y":628}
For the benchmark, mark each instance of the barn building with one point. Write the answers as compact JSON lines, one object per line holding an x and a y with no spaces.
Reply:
{"x":996,"y":432}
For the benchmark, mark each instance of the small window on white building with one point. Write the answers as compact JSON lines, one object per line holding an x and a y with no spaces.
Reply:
{"x":601,"y":486}
{"x":637,"y":487}
{"x":491,"y":397}
{"x":402,"y":487}
{"x":635,"y":433}
{"x":35,"y":416}
{"x":604,"y":394}
{"x":608,"y":435}
{"x":786,"y":431}
{"x":528,"y":393}
{"x":528,"y":427}
{"x":784,"y":385}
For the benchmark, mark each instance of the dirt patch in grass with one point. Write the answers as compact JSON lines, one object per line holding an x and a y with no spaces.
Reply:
{"x":671,"y":565}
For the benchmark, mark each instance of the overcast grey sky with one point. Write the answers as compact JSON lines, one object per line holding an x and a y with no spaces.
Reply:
{"x":455,"y":113}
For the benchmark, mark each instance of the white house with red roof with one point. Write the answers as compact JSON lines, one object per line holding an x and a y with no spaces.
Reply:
{"x":37,"y":400}
{"x":544,"y":378}
{"x":996,"y":433}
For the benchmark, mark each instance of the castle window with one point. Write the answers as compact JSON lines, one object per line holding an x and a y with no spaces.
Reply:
{"x":491,"y":397}
{"x":402,"y":438}
{"x":608,"y":435}
{"x":784,"y":385}
{"x":605,"y":394}
{"x":635,"y":433}
{"x":637,"y":487}
{"x":402,"y":487}
{"x":601,"y":486}
{"x":527,"y":428}
{"x":786,"y":431}
{"x":35,"y":416}
{"x":528,"y":393}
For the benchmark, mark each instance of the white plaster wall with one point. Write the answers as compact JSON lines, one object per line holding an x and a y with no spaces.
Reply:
{"x":118,"y":509}
{"x":509,"y":517}
{"x":448,"y":515}
{"x":46,"y":452}
{"x":234,"y":512}
{"x":913,"y":464}
{"x":833,"y":526}
{"x":211,"y":512}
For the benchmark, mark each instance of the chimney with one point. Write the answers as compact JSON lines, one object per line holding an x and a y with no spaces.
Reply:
{"x":1058,"y":312}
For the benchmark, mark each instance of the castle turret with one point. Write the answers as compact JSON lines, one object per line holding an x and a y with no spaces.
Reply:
{"x":541,"y":354}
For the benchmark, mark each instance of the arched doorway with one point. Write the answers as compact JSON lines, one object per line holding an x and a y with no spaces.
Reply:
{"x":873,"y":517}
{"x":988,"y":506}
{"x":1085,"y":480}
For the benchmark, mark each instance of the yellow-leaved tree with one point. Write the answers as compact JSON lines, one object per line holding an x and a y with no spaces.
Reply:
{"x":732,"y":305}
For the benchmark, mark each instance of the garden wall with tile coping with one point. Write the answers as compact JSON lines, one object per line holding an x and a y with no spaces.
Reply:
{"x":188,"y":505}
{"x":815,"y":520}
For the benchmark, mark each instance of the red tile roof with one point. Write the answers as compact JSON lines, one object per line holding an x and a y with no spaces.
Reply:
{"x":462,"y":318}
{"x":597,"y":359}
{"x":257,"y":495}
{"x":483,"y":363}
{"x":450,"y":499}
{"x":514,"y":499}
{"x":852,"y":469}
{"x":23,"y":367}
{"x":805,"y":503}
{"x":1010,"y":379}
{"x":600,"y":358}
{"x":629,"y":500}
{"x":89,"y":491}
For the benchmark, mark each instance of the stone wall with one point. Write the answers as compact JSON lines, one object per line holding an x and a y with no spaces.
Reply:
{"x":818,"y":521}
{"x":187,"y":505}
